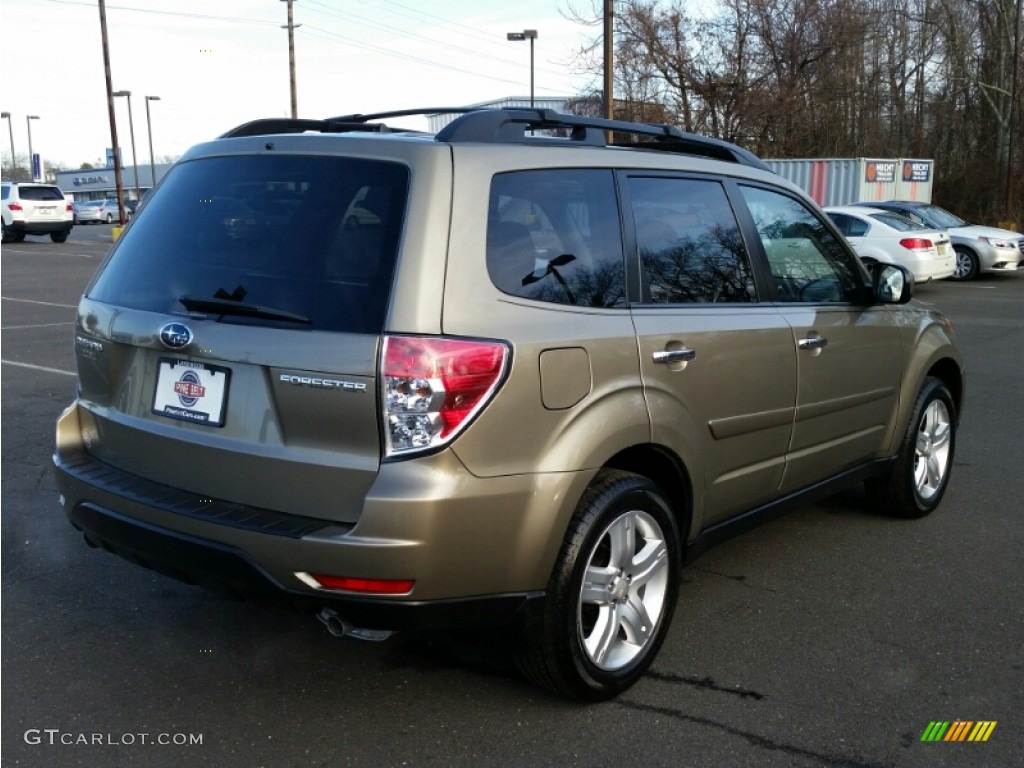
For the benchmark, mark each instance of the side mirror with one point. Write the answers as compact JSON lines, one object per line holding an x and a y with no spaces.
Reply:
{"x":892,"y":283}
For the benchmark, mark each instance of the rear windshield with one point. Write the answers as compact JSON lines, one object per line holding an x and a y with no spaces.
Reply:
{"x":897,"y":222}
{"x":314,"y":238}
{"x":40,"y":193}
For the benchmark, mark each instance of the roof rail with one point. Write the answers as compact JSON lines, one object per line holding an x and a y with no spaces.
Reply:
{"x":510,"y":126}
{"x":341,"y":124}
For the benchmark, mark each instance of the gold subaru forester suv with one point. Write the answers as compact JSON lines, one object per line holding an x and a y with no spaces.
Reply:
{"x":513,"y":373}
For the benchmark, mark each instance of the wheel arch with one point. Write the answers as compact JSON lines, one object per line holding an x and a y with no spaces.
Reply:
{"x":950,"y":373}
{"x":668,"y":472}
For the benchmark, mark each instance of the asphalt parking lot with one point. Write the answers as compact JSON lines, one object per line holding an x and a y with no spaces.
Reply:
{"x":829,"y":637}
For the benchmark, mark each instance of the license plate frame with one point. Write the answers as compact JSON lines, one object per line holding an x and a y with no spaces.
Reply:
{"x":191,"y":391}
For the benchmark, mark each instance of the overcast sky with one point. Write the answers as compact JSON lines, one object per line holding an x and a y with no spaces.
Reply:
{"x":216,"y":65}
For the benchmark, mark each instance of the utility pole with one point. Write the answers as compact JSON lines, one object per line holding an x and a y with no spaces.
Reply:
{"x":110,"y":113}
{"x":14,"y":163}
{"x":291,"y":58}
{"x":1013,"y":109}
{"x":609,"y":97}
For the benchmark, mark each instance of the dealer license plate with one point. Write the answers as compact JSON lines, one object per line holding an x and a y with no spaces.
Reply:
{"x":191,"y":391}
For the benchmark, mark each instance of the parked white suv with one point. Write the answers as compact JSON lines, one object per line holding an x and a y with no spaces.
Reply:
{"x":35,"y":209}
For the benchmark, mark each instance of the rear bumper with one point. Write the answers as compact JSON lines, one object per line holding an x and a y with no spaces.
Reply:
{"x":477,"y":549}
{"x":40,"y":227}
{"x":217,"y":566}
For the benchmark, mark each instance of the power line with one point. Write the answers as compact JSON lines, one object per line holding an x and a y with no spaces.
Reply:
{"x":183,"y":14}
{"x":416,"y":36}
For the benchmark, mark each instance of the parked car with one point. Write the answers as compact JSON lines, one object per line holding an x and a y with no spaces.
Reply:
{"x":884,"y":236}
{"x":35,"y":209}
{"x":979,"y":249}
{"x":96,"y":212}
{"x":543,"y":376}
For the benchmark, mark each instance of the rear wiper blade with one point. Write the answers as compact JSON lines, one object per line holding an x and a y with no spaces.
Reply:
{"x":230,"y":307}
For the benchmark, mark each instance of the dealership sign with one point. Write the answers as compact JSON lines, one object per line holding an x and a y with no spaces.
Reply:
{"x":80,"y":180}
{"x":916,"y":170}
{"x":880,"y":171}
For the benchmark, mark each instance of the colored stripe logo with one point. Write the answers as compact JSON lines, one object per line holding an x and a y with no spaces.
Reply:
{"x":958,"y":730}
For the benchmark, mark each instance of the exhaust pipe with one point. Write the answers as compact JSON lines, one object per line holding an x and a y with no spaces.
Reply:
{"x":334,"y":623}
{"x":338,"y":627}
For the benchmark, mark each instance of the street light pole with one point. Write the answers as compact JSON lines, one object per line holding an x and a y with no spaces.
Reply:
{"x":531,"y":35}
{"x":149,"y":129}
{"x":31,"y":164}
{"x":609,"y":44}
{"x":14,"y":163}
{"x":291,"y":58}
{"x":131,"y":130}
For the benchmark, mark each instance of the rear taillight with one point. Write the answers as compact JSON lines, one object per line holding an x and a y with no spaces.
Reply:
{"x":15,"y":207}
{"x":69,"y":207}
{"x":433,"y":387}
{"x":916,"y":243}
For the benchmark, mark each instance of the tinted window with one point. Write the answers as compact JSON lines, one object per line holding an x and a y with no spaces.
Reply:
{"x":6,"y":193}
{"x":40,"y":193}
{"x":689,"y":242}
{"x":807,"y":262}
{"x":850,"y":226}
{"x":553,"y":236}
{"x":268,"y":230}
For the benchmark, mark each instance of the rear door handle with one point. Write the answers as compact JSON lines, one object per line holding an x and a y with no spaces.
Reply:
{"x":813,"y":342}
{"x":675,"y":355}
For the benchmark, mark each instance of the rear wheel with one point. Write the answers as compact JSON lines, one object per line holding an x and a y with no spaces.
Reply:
{"x":612,"y":593}
{"x":920,"y":475}
{"x":8,"y":236}
{"x":58,"y":237}
{"x":966,"y":264}
{"x":110,"y":218}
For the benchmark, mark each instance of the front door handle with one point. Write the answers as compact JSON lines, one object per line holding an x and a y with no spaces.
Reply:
{"x":813,"y":342}
{"x":683,"y":355}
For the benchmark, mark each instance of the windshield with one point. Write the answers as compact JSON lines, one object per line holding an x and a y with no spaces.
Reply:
{"x":941,"y":217}
{"x":274,"y":234}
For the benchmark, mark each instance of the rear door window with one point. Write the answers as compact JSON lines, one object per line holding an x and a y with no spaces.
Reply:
{"x":313,"y":239}
{"x":691,"y":250}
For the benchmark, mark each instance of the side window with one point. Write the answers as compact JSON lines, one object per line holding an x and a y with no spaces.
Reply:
{"x":553,"y":235}
{"x":849,"y":225}
{"x":690,"y":246}
{"x":807,"y":262}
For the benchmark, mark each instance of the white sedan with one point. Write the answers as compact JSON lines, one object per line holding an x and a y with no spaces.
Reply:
{"x":884,"y":236}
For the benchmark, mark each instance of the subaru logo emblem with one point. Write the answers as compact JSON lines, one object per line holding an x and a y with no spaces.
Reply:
{"x":175,"y":335}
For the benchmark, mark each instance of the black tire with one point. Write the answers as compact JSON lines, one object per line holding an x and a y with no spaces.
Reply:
{"x":58,"y":237}
{"x":7,"y":235}
{"x":110,"y":218}
{"x":920,"y":475}
{"x":587,"y":649}
{"x":966,"y":264}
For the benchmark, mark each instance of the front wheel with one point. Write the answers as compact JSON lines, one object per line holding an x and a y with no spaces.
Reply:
{"x":611,"y":596}
{"x":920,"y":475}
{"x":966,"y":264}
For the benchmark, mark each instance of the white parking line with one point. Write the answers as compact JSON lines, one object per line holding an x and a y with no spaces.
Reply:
{"x":37,"y":325}
{"x":44,"y":303}
{"x":38,"y":367}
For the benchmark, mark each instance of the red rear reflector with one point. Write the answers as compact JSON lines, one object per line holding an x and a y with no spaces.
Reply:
{"x":15,"y":207}
{"x":916,"y":243}
{"x":369,"y":586}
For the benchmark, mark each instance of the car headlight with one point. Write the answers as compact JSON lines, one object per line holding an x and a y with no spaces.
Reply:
{"x":996,"y":242}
